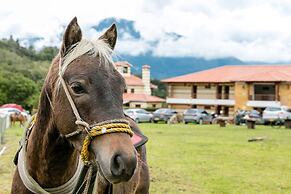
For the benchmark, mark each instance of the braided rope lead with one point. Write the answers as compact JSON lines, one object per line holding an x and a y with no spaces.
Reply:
{"x":101,"y":130}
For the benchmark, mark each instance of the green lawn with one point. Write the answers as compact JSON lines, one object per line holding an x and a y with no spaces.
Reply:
{"x":202,"y":159}
{"x":11,"y":139}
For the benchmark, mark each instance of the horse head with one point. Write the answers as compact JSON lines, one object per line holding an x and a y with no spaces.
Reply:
{"x":86,"y":70}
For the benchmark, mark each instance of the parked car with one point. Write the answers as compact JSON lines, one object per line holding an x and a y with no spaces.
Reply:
{"x":196,"y":116}
{"x":163,"y":114}
{"x":273,"y":113}
{"x":139,"y":115}
{"x":241,"y":115}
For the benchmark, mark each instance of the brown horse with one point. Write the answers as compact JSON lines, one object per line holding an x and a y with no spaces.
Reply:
{"x":18,"y":117}
{"x":82,"y":83}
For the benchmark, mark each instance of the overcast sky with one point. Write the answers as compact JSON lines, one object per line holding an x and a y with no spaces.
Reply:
{"x":251,"y":30}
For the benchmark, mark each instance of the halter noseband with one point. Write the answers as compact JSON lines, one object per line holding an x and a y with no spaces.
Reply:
{"x":109,"y":126}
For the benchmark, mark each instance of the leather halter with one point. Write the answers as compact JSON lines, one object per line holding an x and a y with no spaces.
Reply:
{"x":109,"y":126}
{"x":29,"y":182}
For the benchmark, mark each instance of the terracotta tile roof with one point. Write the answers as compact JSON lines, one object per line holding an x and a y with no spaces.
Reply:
{"x":131,"y":97}
{"x":133,"y":80}
{"x":247,"y":73}
{"x":123,"y":64}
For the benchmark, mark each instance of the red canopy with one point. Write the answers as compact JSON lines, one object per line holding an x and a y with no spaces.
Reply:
{"x":19,"y":107}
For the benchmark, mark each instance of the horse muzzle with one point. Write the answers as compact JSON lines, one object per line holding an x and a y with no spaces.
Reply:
{"x":122,"y":168}
{"x":116,"y":156}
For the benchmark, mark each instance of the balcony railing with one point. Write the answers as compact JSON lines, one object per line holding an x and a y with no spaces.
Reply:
{"x":223,"y":102}
{"x":222,"y":95}
{"x":264,"y":97}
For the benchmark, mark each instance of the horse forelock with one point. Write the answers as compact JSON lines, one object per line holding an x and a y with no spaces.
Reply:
{"x":97,"y":48}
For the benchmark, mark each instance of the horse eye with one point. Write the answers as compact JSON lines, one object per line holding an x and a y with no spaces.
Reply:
{"x":77,"y":88}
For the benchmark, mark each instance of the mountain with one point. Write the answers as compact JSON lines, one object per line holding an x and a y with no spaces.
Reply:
{"x":164,"y":67}
{"x":125,"y":27}
{"x":161,"y":67}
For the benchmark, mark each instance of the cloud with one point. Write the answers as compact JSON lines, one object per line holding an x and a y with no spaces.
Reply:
{"x":249,"y":30}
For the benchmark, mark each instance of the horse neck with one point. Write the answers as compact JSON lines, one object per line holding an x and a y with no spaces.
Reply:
{"x":51,"y":160}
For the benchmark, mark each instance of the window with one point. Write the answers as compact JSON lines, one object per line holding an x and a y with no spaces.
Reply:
{"x":226,"y":111}
{"x":154,"y":105}
{"x":132,"y":90}
{"x":207,"y":107}
{"x":218,"y":92}
{"x":204,"y":112}
{"x":160,"y":110}
{"x":137,"y":106}
{"x":208,"y":86}
{"x":125,"y":69}
{"x":265,"y":88}
{"x":265,"y":92}
{"x":273,"y":109}
{"x":128,"y":112}
{"x":194,"y":91}
{"x":141,"y":111}
{"x":125,"y":90}
{"x":226,"y":92}
{"x":191,"y":111}
{"x":173,"y":112}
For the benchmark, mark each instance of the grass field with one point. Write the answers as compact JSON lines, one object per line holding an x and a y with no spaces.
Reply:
{"x":202,"y":159}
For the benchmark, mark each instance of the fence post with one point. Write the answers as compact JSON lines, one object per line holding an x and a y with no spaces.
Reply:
{"x":4,"y":123}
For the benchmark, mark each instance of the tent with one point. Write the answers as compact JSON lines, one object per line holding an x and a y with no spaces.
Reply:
{"x":16,"y":106}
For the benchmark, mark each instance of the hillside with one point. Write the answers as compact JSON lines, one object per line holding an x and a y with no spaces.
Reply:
{"x":164,"y":67}
{"x":22,"y":71}
{"x":26,"y":61}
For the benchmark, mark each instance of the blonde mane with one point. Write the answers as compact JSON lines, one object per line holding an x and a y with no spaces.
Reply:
{"x":98,"y":47}
{"x":95,"y":48}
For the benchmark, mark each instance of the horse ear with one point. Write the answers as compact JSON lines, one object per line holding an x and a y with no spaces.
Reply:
{"x":110,"y":36}
{"x":72,"y":35}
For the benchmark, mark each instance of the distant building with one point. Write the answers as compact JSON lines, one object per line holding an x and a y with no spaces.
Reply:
{"x":229,"y":88}
{"x":138,"y":90}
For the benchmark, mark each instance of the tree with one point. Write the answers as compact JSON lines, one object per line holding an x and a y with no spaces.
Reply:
{"x":161,"y":91}
{"x":47,"y":53}
{"x":15,"y":88}
{"x":3,"y":93}
{"x":32,"y":101}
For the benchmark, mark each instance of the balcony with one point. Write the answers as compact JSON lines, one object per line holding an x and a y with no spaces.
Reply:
{"x":263,"y":103}
{"x":222,"y":95}
{"x":263,"y":97}
{"x":263,"y":100}
{"x":226,"y":102}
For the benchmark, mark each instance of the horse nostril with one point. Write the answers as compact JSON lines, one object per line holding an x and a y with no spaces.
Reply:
{"x":122,"y":168}
{"x":117,"y":166}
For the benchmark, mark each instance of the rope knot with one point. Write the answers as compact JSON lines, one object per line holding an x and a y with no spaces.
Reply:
{"x":103,"y":130}
{"x":112,"y":126}
{"x":82,"y":123}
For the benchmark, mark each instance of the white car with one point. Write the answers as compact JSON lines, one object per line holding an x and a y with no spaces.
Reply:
{"x":139,"y":115}
{"x":272,"y":113}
